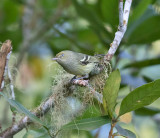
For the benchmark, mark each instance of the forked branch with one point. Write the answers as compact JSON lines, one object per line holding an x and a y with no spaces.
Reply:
{"x":123,"y":21}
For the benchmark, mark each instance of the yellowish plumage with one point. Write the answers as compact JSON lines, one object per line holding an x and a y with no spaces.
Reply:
{"x":77,"y":63}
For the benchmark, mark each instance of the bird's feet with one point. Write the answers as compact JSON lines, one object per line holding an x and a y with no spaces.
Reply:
{"x":73,"y":79}
{"x":79,"y":81}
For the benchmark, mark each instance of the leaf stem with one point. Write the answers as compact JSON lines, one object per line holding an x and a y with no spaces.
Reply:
{"x":111,"y":130}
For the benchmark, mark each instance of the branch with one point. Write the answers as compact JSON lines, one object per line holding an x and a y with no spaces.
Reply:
{"x":111,"y":130}
{"x":123,"y":21}
{"x":121,"y":15}
{"x":5,"y":52}
{"x":7,"y":71}
{"x":41,"y":110}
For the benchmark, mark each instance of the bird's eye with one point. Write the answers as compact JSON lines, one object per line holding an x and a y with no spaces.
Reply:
{"x":61,"y":56}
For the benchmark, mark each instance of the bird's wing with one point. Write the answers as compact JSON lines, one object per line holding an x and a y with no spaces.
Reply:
{"x":86,"y":59}
{"x":99,"y":55}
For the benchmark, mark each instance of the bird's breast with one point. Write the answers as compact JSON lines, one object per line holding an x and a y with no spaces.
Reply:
{"x":77,"y":68}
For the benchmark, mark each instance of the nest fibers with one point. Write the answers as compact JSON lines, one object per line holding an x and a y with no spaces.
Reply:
{"x":71,"y":100}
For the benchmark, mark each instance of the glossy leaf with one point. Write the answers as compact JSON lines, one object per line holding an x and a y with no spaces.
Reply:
{"x":147,"y":79}
{"x":111,"y":89}
{"x":110,"y":12}
{"x":94,"y":21}
{"x":143,"y":63}
{"x":125,"y":132}
{"x":140,"y":97}
{"x":20,"y":108}
{"x":87,"y":124}
{"x":149,"y":13}
{"x":139,"y":10}
{"x":146,"y":32}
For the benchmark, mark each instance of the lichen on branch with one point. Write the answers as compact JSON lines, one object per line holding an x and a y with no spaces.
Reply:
{"x":5,"y":51}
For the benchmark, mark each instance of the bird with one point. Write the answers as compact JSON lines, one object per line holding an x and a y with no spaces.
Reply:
{"x":81,"y":65}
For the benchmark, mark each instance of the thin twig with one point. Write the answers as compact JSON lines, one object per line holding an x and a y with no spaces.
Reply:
{"x":111,"y":130}
{"x":11,"y":85}
{"x":122,"y":28}
{"x":120,"y":15}
{"x":123,"y":21}
{"x":6,"y":51}
{"x":9,"y":75}
{"x":13,"y":118}
{"x":11,"y":82}
{"x":4,"y":55}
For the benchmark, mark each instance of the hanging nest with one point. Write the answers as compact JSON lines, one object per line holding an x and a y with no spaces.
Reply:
{"x":62,"y":112}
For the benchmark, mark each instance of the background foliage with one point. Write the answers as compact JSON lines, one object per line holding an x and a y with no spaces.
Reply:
{"x":46,"y":27}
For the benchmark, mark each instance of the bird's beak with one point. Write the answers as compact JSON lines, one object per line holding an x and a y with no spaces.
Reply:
{"x":55,"y":58}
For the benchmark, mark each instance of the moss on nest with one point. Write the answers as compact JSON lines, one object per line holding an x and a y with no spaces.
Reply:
{"x":62,"y":88}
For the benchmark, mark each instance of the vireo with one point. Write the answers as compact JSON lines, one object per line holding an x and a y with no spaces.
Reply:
{"x":81,"y":65}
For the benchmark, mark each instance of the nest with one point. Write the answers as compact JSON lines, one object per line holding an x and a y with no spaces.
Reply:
{"x":62,"y":89}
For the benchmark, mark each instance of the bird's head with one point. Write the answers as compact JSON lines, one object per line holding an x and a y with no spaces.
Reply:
{"x":63,"y":56}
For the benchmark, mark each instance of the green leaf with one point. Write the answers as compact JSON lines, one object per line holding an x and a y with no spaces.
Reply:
{"x":15,"y":35}
{"x":146,"y":111}
{"x":9,"y":13}
{"x":95,"y":22}
{"x":147,"y":79}
{"x":20,"y":108}
{"x":125,"y":132}
{"x":111,"y":89}
{"x":143,"y":63}
{"x":149,"y":13}
{"x":40,"y":133}
{"x":110,"y":12}
{"x":140,"y":9}
{"x":146,"y":32}
{"x":140,"y":97}
{"x":91,"y":111}
{"x":87,"y":124}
